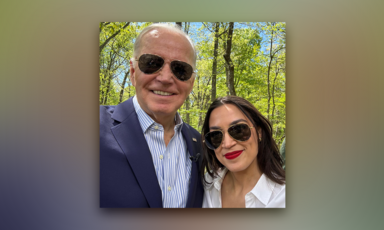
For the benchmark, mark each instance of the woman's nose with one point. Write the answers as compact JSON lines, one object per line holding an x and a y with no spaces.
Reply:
{"x":228,"y":141}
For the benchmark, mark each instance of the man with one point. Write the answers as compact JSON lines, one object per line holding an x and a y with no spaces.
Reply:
{"x":148,"y":156}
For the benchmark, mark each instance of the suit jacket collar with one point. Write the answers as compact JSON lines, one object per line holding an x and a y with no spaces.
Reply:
{"x":137,"y":151}
{"x":139,"y":157}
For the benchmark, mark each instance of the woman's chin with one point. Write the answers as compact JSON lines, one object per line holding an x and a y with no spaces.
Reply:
{"x":234,"y":168}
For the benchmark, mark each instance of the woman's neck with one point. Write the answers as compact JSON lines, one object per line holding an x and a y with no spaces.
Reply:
{"x":243,"y":181}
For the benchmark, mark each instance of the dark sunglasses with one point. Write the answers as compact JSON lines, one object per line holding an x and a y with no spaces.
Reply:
{"x":239,"y":132}
{"x":150,"y":63}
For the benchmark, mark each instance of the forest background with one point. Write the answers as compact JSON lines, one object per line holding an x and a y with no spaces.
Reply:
{"x":245,"y":59}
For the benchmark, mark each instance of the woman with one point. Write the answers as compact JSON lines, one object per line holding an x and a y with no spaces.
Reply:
{"x":243,"y":164}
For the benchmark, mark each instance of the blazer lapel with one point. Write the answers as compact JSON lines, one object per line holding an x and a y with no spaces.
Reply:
{"x":130,"y":137}
{"x":192,"y":149}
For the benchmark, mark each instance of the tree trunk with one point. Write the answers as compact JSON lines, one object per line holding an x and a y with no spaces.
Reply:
{"x":187,"y":120}
{"x":108,"y":77}
{"x":186,"y":27}
{"x":269,"y":71}
{"x":107,"y":92}
{"x":180,"y":24}
{"x":276,"y":132}
{"x":205,"y":107}
{"x":122,"y":87}
{"x":273,"y":96}
{"x":230,"y":69}
{"x":214,"y":65}
{"x":129,"y":89}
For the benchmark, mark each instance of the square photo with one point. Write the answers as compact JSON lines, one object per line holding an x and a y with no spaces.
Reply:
{"x":192,"y":114}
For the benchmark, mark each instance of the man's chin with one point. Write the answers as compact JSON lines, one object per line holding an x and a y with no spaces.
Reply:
{"x":163,"y":110}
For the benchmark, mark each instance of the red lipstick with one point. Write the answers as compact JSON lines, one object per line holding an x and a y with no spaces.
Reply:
{"x":233,"y":155}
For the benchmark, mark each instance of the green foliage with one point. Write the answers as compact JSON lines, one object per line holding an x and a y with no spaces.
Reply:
{"x":114,"y":60}
{"x":259,"y":68}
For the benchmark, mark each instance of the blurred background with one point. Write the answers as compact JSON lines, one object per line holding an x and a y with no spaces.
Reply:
{"x":49,"y":86}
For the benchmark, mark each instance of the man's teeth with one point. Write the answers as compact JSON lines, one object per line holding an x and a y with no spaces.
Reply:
{"x":162,"y":93}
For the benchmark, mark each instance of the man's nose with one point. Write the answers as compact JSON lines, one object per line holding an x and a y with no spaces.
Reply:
{"x":165,"y":74}
{"x":228,"y":141}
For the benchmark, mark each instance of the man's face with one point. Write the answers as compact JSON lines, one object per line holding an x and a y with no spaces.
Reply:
{"x":150,"y":88}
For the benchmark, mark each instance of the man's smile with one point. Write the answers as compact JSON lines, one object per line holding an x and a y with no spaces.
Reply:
{"x":162,"y":93}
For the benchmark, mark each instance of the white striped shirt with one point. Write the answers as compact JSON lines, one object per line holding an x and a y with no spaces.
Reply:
{"x":171,"y":162}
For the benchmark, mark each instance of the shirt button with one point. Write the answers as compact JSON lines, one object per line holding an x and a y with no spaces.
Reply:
{"x":161,"y":157}
{"x":156,"y":127}
{"x":169,"y":188}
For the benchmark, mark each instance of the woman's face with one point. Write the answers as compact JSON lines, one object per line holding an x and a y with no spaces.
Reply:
{"x":236,"y":156}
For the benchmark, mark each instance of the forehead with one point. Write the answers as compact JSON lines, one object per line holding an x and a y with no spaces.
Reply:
{"x":223,"y":116}
{"x":167,"y":44}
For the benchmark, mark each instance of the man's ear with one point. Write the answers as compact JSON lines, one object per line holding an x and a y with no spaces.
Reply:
{"x":132,"y":72}
{"x":192,"y":81}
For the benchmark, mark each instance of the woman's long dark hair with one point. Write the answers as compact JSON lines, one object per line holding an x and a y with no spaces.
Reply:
{"x":268,"y":158}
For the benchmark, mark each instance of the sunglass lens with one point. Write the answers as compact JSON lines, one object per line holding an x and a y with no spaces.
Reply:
{"x":183,"y":71}
{"x":240,"y":132}
{"x":149,"y":63}
{"x":213,"y":139}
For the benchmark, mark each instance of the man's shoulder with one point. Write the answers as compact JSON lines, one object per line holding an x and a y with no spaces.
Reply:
{"x":106,"y":112}
{"x":108,"y":109}
{"x":118,"y":112}
{"x":192,"y":130}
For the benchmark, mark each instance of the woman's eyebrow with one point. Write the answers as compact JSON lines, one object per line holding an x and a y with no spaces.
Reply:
{"x":237,"y":121}
{"x":232,"y":123}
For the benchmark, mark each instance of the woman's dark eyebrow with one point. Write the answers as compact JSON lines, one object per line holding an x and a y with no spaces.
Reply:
{"x":237,"y":121}
{"x":232,"y":123}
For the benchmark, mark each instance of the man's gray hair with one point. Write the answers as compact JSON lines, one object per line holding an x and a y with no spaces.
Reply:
{"x":172,"y":27}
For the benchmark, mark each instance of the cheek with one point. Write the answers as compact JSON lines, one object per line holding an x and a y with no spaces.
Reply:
{"x":255,"y":147}
{"x":185,"y":87}
{"x":254,"y":139}
{"x":216,"y":154}
{"x":141,"y":81}
{"x":219,"y":157}
{"x":138,"y":80}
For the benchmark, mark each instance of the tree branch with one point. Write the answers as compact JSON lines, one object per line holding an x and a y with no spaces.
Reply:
{"x":112,"y":36}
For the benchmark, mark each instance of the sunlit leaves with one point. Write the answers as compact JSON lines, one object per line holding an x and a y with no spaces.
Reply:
{"x":251,"y":54}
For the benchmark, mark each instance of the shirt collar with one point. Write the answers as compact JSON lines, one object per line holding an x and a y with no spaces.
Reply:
{"x":263,"y":189}
{"x":147,"y":122}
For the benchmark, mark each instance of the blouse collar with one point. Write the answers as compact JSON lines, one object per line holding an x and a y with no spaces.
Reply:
{"x":262,"y":191}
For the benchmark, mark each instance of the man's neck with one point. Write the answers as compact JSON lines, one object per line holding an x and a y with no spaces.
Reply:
{"x":168,"y":124}
{"x":168,"y":121}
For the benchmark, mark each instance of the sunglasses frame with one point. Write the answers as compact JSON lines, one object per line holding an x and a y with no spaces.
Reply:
{"x":205,"y":136}
{"x":193,"y":71}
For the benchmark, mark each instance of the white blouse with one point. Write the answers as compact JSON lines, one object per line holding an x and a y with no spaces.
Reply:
{"x":265,"y":194}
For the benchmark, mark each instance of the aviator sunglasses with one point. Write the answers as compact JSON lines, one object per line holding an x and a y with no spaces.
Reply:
{"x":150,"y":63}
{"x":239,"y":132}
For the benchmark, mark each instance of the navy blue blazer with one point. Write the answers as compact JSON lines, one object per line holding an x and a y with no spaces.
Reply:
{"x":127,"y":174}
